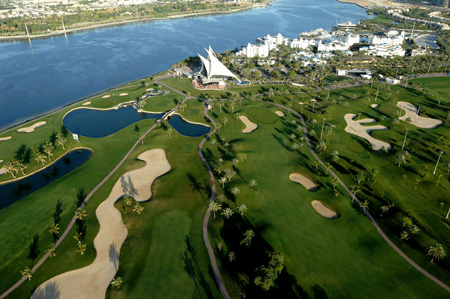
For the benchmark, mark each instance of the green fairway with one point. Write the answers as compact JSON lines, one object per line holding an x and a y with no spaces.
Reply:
{"x":164,"y":255}
{"x":338,"y":256}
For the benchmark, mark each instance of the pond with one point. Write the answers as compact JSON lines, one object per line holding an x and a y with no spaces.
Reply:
{"x":13,"y":191}
{"x":100,"y":123}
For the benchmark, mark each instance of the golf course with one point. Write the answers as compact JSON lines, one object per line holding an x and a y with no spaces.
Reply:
{"x":292,"y":192}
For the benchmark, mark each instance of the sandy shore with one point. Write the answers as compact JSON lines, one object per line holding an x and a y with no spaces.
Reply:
{"x":115,"y":23}
{"x":370,"y":3}
{"x":32,"y":127}
{"x":302,"y":180}
{"x":92,"y":281}
{"x":355,"y":127}
{"x":416,"y":120}
{"x":249,"y":126}
{"x":323,"y":210}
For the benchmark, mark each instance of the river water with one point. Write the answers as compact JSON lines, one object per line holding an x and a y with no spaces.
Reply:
{"x":51,"y":73}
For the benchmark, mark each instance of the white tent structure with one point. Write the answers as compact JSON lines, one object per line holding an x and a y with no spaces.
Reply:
{"x":213,"y":67}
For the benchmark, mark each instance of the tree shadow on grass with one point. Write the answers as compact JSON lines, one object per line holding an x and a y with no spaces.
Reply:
{"x":193,"y":269}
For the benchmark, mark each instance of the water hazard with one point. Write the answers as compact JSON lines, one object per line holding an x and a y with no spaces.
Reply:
{"x":101,"y":123}
{"x":12,"y":192}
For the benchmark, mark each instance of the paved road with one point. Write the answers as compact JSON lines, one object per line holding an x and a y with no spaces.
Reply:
{"x":366,"y":212}
{"x":212,"y":257}
{"x":72,"y":222}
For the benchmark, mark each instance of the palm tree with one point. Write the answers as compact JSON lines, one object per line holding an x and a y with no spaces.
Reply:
{"x":335,"y":156}
{"x":295,"y":146}
{"x":231,"y":256}
{"x":169,"y":132}
{"x":227,"y":213}
{"x":335,"y":183}
{"x":313,"y":121}
{"x":235,"y":191}
{"x":138,"y":208}
{"x":215,"y":207}
{"x":229,"y":174}
{"x":365,"y":205}
{"x":360,"y":178}
{"x":436,"y":251}
{"x":316,"y":163}
{"x":252,"y":184}
{"x":11,"y":167}
{"x":384,"y":209}
{"x":51,"y":250}
{"x":355,"y":189}
{"x":60,"y":140}
{"x":402,"y":158}
{"x":54,"y":229}
{"x":117,"y":282}
{"x":404,"y":235}
{"x":183,"y":106}
{"x":80,"y":214}
{"x":81,"y":248}
{"x":321,"y":146}
{"x":128,"y":200}
{"x":39,"y":157}
{"x":223,"y":180}
{"x":235,"y":162}
{"x":242,"y":209}
{"x":22,"y":167}
{"x":225,"y":120}
{"x":48,"y":147}
{"x":414,"y":229}
{"x":26,"y":272}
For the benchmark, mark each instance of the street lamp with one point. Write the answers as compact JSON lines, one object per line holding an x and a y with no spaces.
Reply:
{"x":440,"y":154}
{"x":405,"y":138}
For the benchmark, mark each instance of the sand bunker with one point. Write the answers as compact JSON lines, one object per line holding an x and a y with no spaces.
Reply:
{"x":93,"y":280}
{"x":5,"y":138}
{"x":356,"y":128}
{"x":300,"y":179}
{"x":418,"y":121}
{"x":106,"y":96}
{"x":2,"y":170}
{"x":323,"y":210}
{"x":87,"y":103}
{"x":249,"y":126}
{"x":374,"y":105}
{"x":32,"y":127}
{"x":123,"y":94}
{"x":280,"y":113}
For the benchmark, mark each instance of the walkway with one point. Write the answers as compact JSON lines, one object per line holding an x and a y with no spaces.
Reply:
{"x":72,"y":222}
{"x":212,"y":257}
{"x":366,"y":212}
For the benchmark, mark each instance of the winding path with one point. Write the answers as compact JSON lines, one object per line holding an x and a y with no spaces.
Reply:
{"x":366,"y":212}
{"x":212,"y":257}
{"x":72,"y":222}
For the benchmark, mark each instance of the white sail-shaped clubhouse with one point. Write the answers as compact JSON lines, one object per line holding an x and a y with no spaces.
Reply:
{"x":211,"y":66}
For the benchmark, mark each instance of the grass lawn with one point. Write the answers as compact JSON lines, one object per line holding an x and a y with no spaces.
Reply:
{"x":342,"y":258}
{"x":164,"y":255}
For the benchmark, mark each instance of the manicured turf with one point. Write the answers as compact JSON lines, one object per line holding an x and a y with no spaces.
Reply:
{"x":164,"y":255}
{"x":343,"y":257}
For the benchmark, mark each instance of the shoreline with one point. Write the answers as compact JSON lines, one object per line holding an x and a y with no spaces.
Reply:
{"x":124,"y":22}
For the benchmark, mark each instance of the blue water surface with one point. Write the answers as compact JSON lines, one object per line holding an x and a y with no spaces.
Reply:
{"x":49,"y":73}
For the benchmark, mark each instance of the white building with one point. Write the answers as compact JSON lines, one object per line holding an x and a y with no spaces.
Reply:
{"x":384,"y":50}
{"x":211,"y":67}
